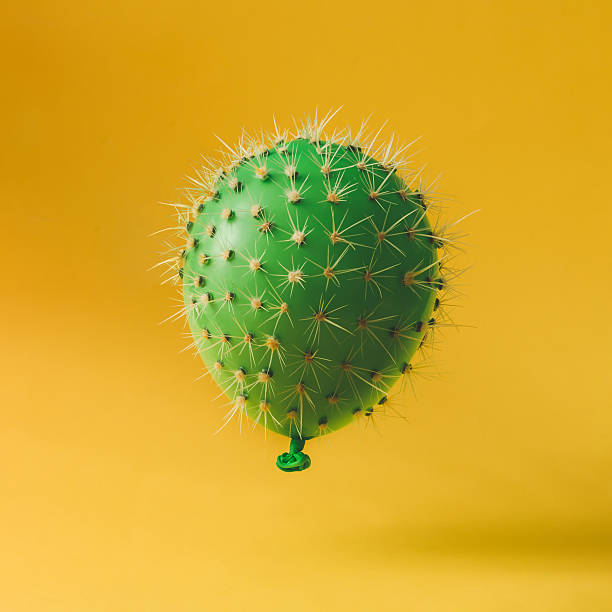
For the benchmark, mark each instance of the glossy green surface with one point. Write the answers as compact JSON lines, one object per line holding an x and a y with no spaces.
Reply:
{"x":361,"y":333}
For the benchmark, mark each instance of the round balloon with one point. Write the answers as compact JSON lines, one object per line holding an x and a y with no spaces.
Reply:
{"x":311,"y":275}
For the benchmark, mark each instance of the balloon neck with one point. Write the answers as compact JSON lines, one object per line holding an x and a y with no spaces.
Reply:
{"x":295,"y":460}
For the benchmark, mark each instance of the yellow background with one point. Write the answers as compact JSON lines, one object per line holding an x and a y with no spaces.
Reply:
{"x":115,"y":495}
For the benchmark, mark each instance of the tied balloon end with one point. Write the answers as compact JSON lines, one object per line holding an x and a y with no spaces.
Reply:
{"x":295,"y":460}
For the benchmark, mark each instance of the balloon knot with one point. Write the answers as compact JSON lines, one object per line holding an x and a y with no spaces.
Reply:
{"x":295,"y":460}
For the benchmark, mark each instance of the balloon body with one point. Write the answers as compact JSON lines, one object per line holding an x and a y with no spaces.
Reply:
{"x":310,"y":279}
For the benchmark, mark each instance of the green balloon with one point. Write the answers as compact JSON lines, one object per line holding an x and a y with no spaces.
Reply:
{"x":310,"y":279}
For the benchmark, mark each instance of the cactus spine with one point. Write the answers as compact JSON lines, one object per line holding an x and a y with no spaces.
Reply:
{"x":310,"y":275}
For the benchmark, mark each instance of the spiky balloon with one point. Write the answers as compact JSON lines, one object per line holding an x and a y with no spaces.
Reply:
{"x":311,"y":276}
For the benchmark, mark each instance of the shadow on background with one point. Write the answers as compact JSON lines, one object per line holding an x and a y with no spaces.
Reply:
{"x":529,"y":541}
